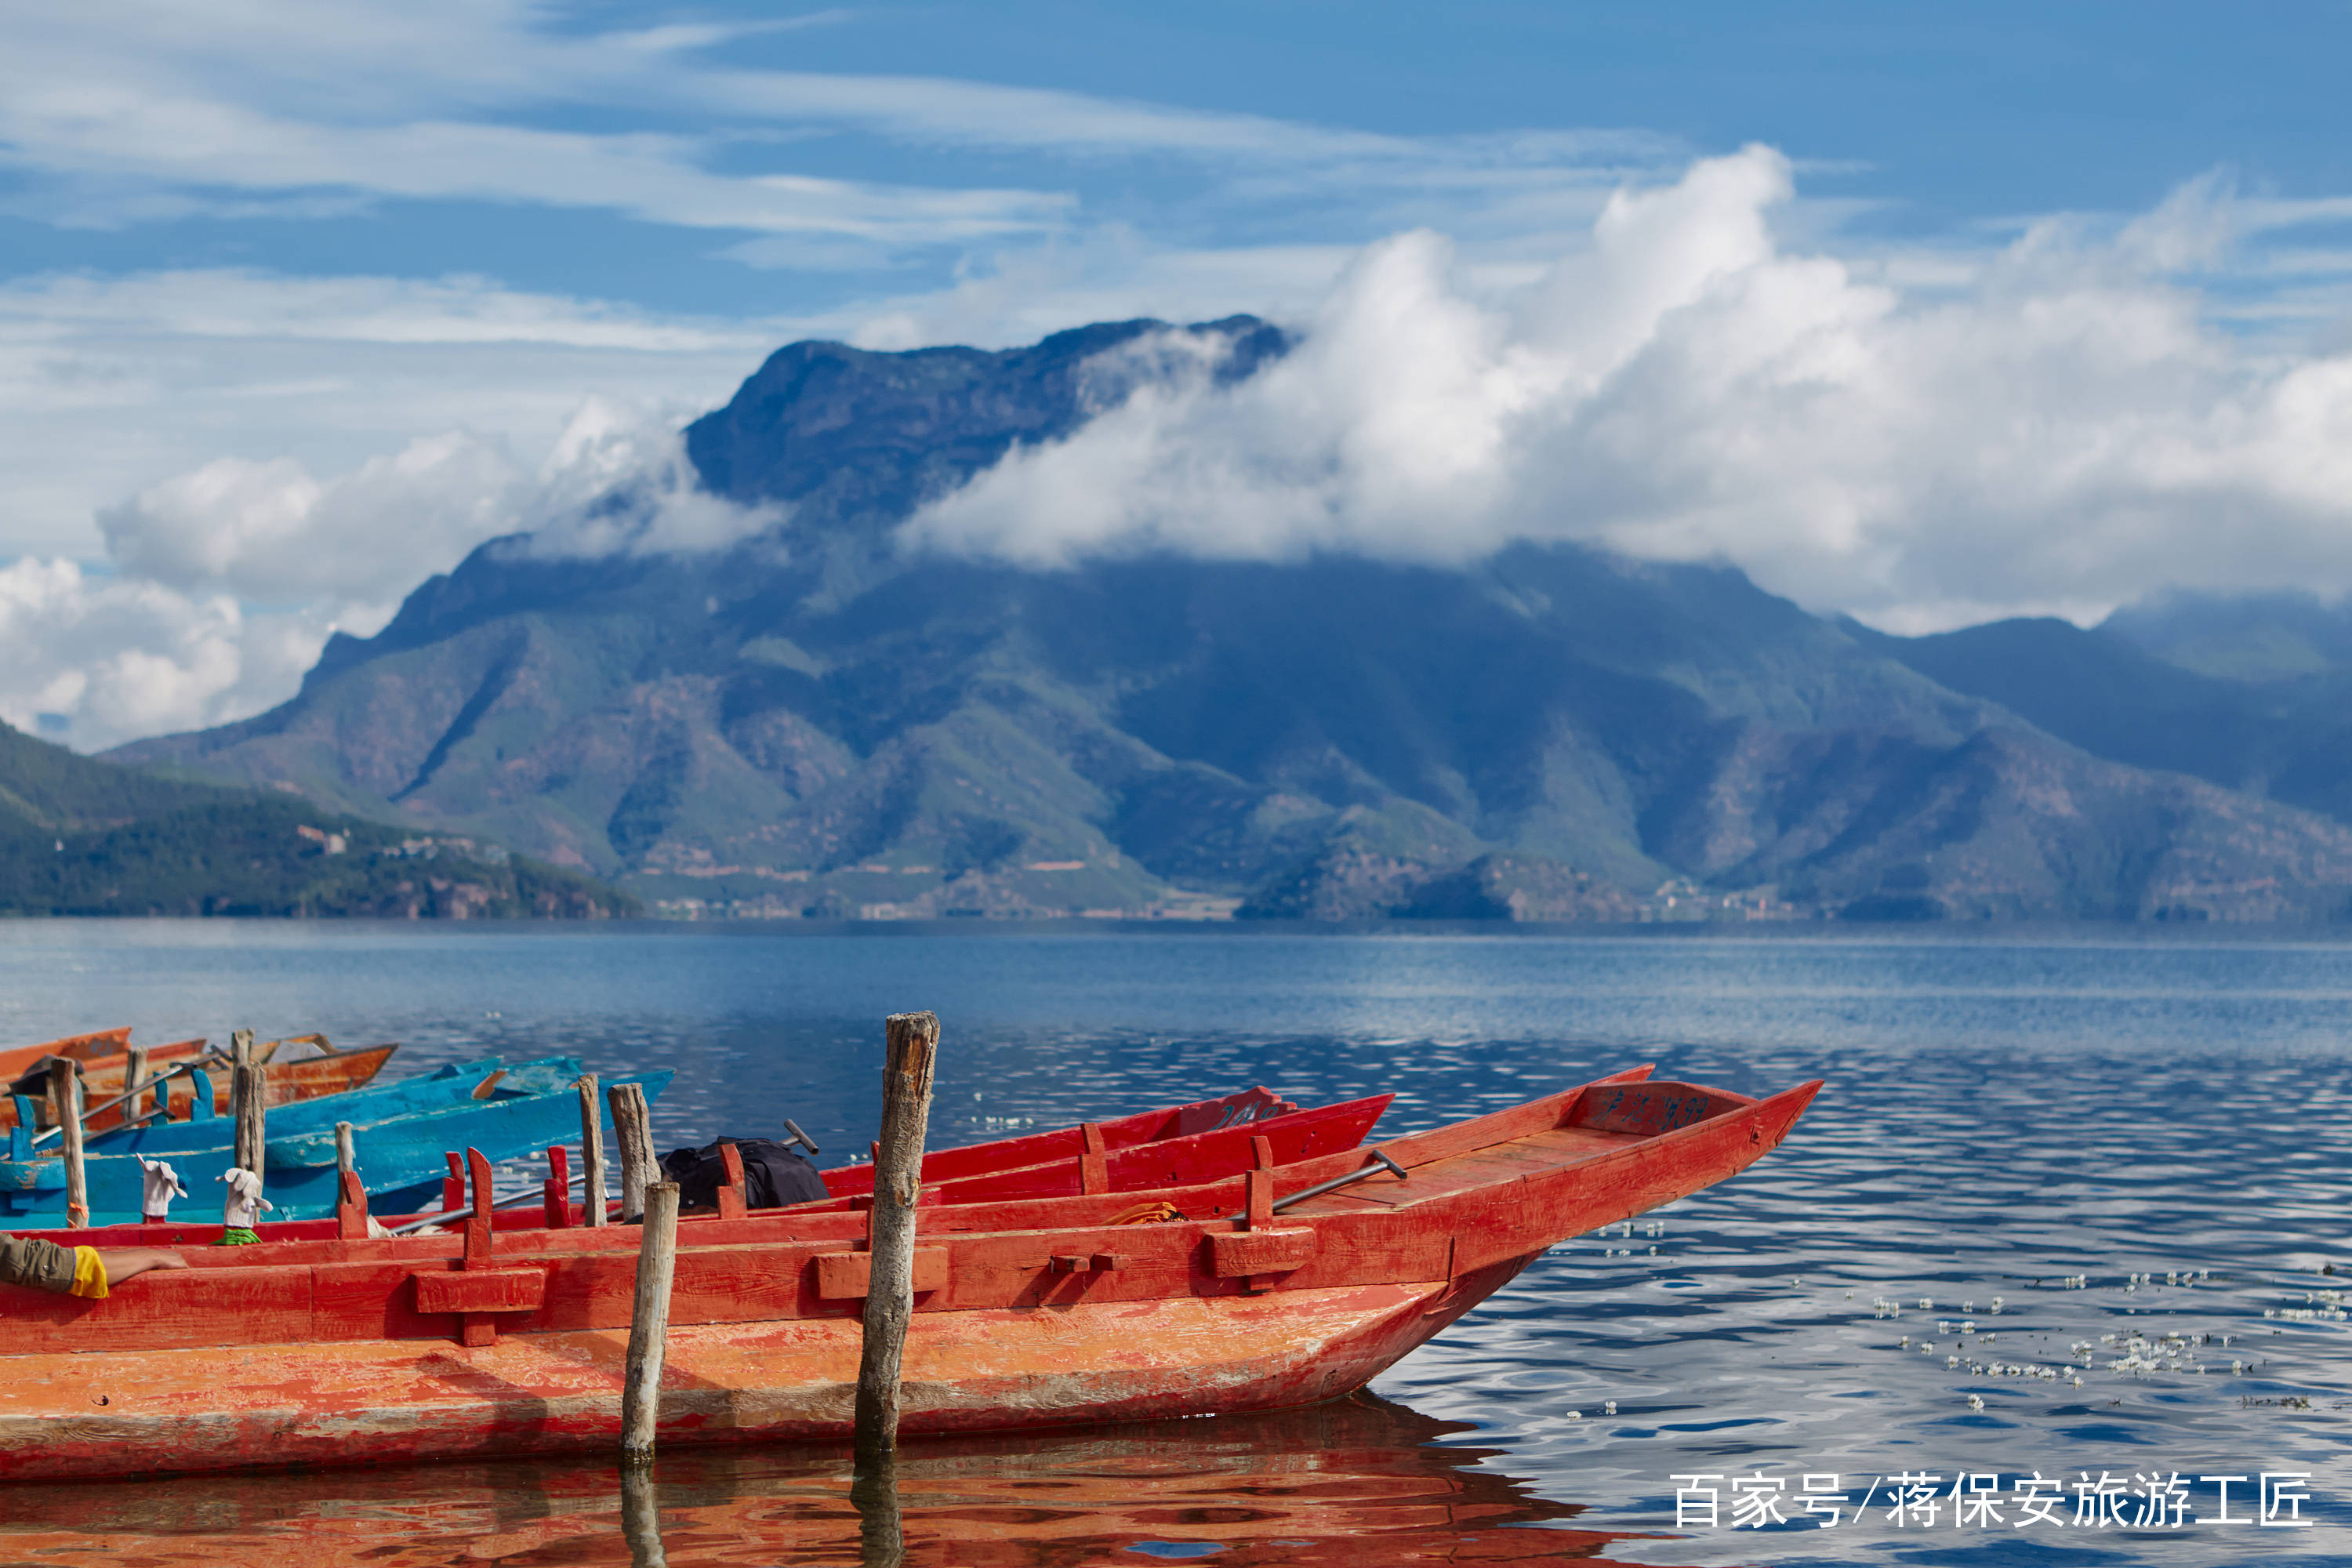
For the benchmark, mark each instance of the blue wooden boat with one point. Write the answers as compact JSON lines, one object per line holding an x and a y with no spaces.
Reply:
{"x":400,"y":1154}
{"x":204,"y":1128}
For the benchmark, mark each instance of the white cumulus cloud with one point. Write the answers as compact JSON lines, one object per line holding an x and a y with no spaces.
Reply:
{"x":2052,"y":425}
{"x":221,"y":584}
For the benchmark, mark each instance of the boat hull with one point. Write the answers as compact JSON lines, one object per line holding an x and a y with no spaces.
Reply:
{"x":1028,"y":1313}
{"x":391,"y":1401}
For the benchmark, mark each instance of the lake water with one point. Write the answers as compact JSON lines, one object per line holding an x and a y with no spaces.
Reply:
{"x":2110,"y":1135}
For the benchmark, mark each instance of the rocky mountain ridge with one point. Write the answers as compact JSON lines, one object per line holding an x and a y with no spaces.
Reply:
{"x":815,"y":723}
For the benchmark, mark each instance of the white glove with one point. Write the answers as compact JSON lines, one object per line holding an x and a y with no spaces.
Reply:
{"x":163,"y":1184}
{"x":245,"y":1200}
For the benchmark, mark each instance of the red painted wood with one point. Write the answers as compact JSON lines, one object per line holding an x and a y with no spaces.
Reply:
{"x":484,"y":1290}
{"x":1062,"y":1143}
{"x":352,"y":1210}
{"x":17,"y":1060}
{"x":1481,"y":1197}
{"x":1094,"y":1173}
{"x":1245,"y":1252}
{"x":480,"y":1230}
{"x":730,"y":1191}
{"x":849,"y":1276}
{"x":555,"y":1198}
{"x":1178,"y":1161}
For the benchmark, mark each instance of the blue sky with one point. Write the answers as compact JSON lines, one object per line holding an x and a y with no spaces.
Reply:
{"x":1937,"y":118}
{"x":276,"y":280}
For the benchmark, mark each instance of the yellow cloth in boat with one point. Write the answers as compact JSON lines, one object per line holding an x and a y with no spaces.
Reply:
{"x":42,"y":1265}
{"x":90,"y":1273}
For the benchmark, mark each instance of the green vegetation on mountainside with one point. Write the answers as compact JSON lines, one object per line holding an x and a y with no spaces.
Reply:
{"x":79,"y":837}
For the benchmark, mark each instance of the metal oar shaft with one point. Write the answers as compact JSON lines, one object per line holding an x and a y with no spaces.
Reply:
{"x":1380,"y":1161}
{"x":167,"y":1076}
{"x":448,"y":1216}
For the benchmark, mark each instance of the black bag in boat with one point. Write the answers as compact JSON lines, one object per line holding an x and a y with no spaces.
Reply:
{"x":773,"y":1176}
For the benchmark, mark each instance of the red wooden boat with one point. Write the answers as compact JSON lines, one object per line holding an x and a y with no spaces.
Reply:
{"x":1120,"y":1132}
{"x":1167,"y":1162}
{"x":16,"y":1060}
{"x":319,"y":1070}
{"x":1267,"y":1289}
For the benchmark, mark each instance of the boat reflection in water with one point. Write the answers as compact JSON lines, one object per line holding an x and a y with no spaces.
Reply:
{"x":1356,"y":1483}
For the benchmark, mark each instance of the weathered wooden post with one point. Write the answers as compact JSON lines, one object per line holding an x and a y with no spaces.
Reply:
{"x":134,"y":1073}
{"x":912,"y":1045}
{"x":245,"y":1101}
{"x":633,"y":1130}
{"x":591,"y":1151}
{"x":649,"y":1323}
{"x":347,"y":1154}
{"x":64,"y":1097}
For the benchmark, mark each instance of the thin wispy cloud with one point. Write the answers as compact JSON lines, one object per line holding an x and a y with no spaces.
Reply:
{"x":105,"y":105}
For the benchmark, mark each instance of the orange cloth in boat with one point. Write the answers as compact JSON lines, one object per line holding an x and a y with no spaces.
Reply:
{"x":42,"y":1265}
{"x":90,"y":1274}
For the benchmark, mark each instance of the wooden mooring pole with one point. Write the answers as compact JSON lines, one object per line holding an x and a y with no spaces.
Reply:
{"x":591,"y":1151}
{"x":912,"y":1046}
{"x":65,"y":1098}
{"x":244,"y":1094}
{"x":633,"y":1130}
{"x":649,"y":1323}
{"x":134,"y":1073}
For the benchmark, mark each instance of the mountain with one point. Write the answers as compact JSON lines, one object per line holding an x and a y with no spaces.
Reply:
{"x":816,"y":722}
{"x":2251,"y":638}
{"x":2148,"y":687}
{"x":79,"y":837}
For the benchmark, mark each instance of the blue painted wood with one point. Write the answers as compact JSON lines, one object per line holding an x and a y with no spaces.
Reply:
{"x":446,"y":1086}
{"x":399,"y":1158}
{"x":417,"y":1138}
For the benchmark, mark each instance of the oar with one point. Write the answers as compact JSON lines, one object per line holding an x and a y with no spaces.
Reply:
{"x":456,"y":1217}
{"x":208,"y":1060}
{"x":1336,"y":1183}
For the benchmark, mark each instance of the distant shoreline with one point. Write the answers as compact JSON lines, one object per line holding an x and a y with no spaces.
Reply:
{"x":1949,"y":933}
